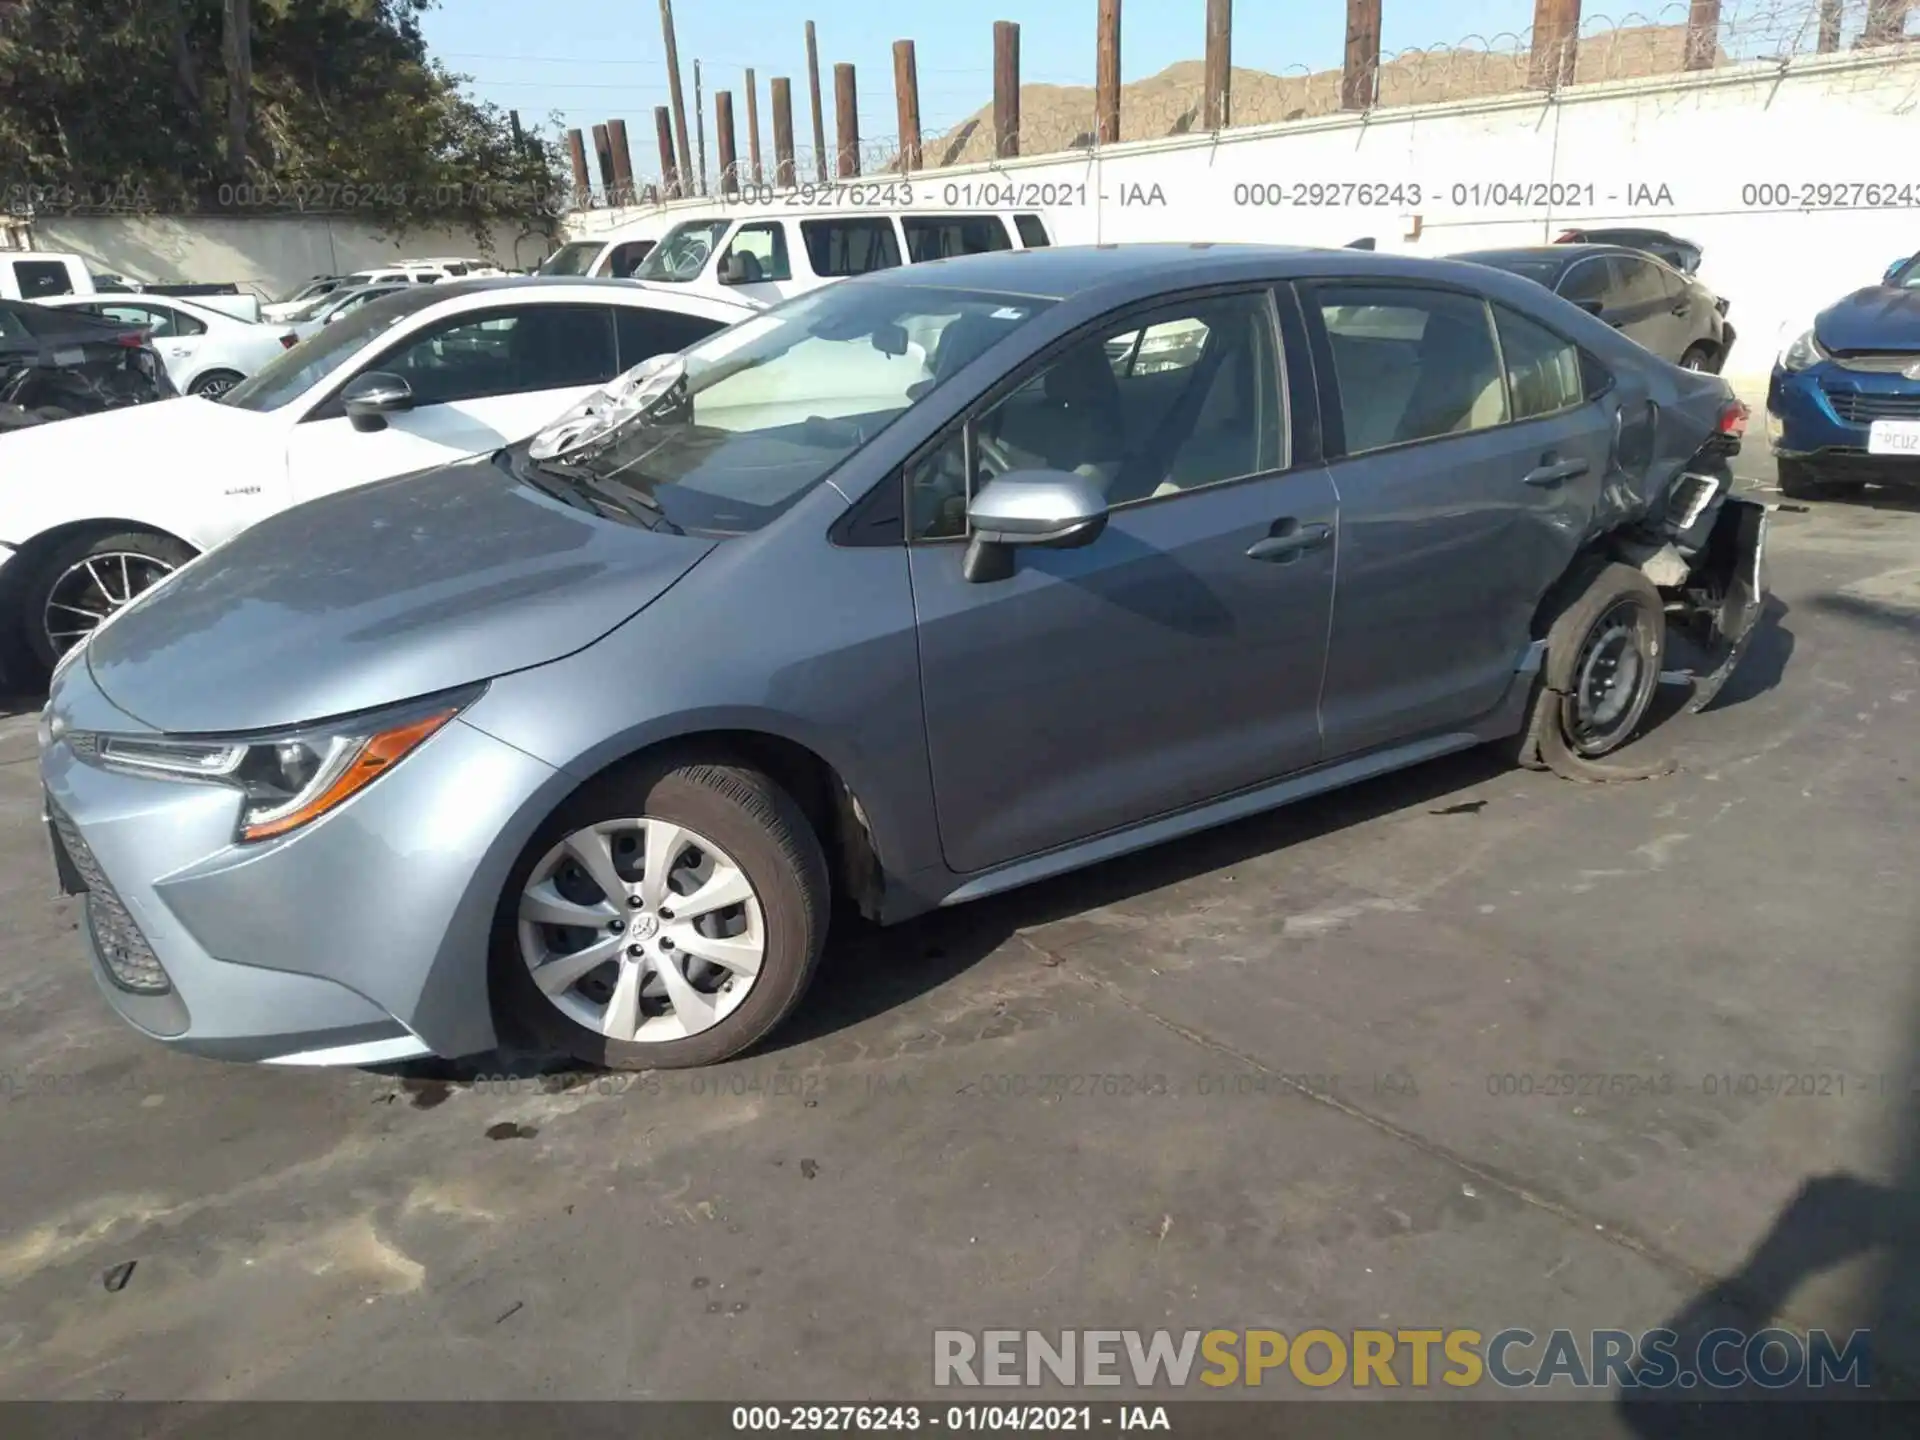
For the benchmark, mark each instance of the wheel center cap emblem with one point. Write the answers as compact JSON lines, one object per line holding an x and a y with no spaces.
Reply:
{"x":645,"y":926}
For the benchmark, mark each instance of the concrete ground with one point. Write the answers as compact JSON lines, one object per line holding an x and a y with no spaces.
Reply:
{"x":1268,"y":1077}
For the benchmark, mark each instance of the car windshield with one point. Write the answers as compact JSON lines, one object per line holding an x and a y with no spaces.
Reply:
{"x":682,"y":255}
{"x":292,"y":373}
{"x":1543,"y":270}
{"x":771,"y":406}
{"x":574,"y":259}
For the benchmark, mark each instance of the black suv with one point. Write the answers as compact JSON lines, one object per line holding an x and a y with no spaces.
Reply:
{"x":1671,"y":314}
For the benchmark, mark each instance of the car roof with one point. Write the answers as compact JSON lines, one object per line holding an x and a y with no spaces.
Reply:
{"x":1565,"y":254}
{"x":604,"y":287}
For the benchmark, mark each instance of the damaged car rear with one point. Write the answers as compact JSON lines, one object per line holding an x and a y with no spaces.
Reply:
{"x":938,"y":582}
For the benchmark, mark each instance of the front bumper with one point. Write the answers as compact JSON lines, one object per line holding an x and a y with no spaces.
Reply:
{"x":1824,"y":415}
{"x":358,"y":939}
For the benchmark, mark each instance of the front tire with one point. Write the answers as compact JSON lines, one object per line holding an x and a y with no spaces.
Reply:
{"x":87,"y":579}
{"x":667,"y":916}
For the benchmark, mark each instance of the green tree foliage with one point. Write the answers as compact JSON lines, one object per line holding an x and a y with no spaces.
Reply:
{"x":123,"y":104}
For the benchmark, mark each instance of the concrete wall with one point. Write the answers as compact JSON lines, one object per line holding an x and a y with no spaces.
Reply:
{"x":271,"y":255}
{"x":1675,"y":152}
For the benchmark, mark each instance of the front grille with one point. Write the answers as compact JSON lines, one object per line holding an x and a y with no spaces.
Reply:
{"x":129,"y":958}
{"x":1862,"y":407}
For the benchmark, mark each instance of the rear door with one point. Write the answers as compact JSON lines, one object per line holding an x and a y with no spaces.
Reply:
{"x":481,"y":380}
{"x":1645,"y":309}
{"x":1465,"y":481}
{"x":1162,"y":665}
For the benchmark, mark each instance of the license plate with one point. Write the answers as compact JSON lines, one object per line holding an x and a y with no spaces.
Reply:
{"x":71,"y":882}
{"x":1894,"y":437}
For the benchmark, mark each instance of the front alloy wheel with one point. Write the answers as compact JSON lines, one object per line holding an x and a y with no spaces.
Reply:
{"x":642,"y":930}
{"x":82,"y":583}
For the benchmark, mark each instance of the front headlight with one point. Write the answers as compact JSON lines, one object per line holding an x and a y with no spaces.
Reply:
{"x":1804,"y":351}
{"x":290,"y":778}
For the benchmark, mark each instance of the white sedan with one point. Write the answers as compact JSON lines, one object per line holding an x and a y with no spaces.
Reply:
{"x":95,"y":509}
{"x":206,"y":351}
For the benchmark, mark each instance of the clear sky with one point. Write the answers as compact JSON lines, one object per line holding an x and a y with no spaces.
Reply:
{"x":594,"y":60}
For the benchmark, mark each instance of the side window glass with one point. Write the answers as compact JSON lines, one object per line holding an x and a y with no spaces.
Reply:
{"x":41,"y":277}
{"x":156,"y":321}
{"x":646,"y":333}
{"x":1543,"y":371}
{"x":1033,"y":234}
{"x":1412,"y":364}
{"x":538,"y":347}
{"x":764,"y":249}
{"x":1586,"y":280}
{"x":626,"y":258}
{"x":935,"y":237}
{"x":849,"y":247}
{"x":1639,"y":282}
{"x":1188,"y":400}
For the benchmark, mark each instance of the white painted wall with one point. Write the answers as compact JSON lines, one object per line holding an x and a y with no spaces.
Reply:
{"x":1703,"y":137}
{"x":271,"y":255}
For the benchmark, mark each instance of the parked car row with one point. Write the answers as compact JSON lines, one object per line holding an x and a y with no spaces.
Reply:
{"x":55,"y":365}
{"x":682,"y":619}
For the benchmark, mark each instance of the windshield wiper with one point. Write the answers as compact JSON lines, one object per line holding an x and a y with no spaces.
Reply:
{"x":635,"y":504}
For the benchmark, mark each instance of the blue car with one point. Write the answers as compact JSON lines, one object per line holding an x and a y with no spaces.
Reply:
{"x":1843,"y":408}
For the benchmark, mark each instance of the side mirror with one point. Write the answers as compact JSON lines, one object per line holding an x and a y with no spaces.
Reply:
{"x":1052,"y":508}
{"x":733,"y":268}
{"x":370,"y":398}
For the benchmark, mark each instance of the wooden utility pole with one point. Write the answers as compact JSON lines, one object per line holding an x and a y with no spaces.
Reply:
{"x":700,"y":126}
{"x":1703,"y":34}
{"x":519,"y":135}
{"x":846,"y":114}
{"x":237,"y":20}
{"x":577,"y":152}
{"x":782,"y":132}
{"x":819,"y":123}
{"x":1886,"y":22}
{"x":1216,"y":103}
{"x":685,"y":168}
{"x":622,"y":163}
{"x":1106,"y":73}
{"x":753,"y":129}
{"x":723,"y":138}
{"x":906,"y":97}
{"x":1360,"y":71}
{"x":603,"y":152}
{"x":1556,"y":31}
{"x":1830,"y":13}
{"x":669,"y":171}
{"x":1006,"y":88}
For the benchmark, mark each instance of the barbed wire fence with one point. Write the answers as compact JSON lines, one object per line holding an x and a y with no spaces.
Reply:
{"x":1639,"y":43}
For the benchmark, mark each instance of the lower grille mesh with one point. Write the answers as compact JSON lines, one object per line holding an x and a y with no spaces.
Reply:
{"x":128,"y":957}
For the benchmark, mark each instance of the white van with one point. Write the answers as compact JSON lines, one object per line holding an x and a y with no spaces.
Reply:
{"x":616,"y":254}
{"x":769,"y":254}
{"x":35,"y":274}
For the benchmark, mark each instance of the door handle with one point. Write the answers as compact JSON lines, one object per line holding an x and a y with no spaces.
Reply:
{"x":1550,"y":472}
{"x":1682,"y":308}
{"x":1289,"y":540}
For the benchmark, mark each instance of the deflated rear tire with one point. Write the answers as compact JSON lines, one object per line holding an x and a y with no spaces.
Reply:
{"x":668,"y":916}
{"x":1601,"y":671}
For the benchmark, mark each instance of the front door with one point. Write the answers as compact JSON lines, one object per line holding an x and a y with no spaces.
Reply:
{"x":480,"y":380}
{"x":1162,"y":665}
{"x":1464,"y":492}
{"x":766,"y":259}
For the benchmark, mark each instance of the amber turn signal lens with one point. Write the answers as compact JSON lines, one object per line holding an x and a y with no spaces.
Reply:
{"x":375,"y":756}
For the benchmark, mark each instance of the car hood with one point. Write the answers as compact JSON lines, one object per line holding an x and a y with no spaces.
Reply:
{"x":150,"y":435}
{"x":1880,"y":317}
{"x":379,"y":594}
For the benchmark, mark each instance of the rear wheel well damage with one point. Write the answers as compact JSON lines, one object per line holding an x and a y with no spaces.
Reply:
{"x":834,"y":814}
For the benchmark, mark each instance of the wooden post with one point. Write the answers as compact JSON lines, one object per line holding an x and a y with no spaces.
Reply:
{"x":846,"y":114}
{"x":1886,"y":22}
{"x":685,"y":168}
{"x":622,"y":163}
{"x":783,"y":175}
{"x":237,"y":26}
{"x":1556,"y":31}
{"x":1106,"y":73}
{"x":700,"y":127}
{"x":1829,"y":26}
{"x":669,"y":171}
{"x":723,"y":138}
{"x":1216,"y":106}
{"x":519,"y":135}
{"x":1703,"y":34}
{"x":582,"y":187}
{"x":603,"y":153}
{"x":906,"y":96}
{"x":753,"y":130}
{"x":1360,"y":72}
{"x":1006,"y":88}
{"x":813,"y":83}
